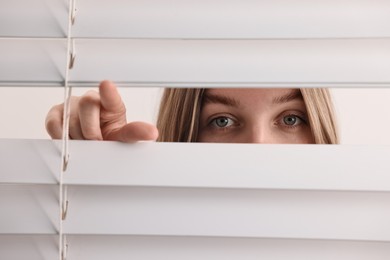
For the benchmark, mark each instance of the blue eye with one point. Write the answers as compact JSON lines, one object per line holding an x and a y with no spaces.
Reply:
{"x":222,"y":122}
{"x":292,"y":120}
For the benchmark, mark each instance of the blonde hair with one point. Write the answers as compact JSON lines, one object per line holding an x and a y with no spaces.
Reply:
{"x":180,"y":108}
{"x":321,"y":115}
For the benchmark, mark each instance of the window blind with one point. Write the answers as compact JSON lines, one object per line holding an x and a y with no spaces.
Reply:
{"x":198,"y":43}
{"x":181,"y":201}
{"x":127,"y":200}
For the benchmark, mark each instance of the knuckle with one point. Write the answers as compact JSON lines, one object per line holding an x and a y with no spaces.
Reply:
{"x":53,"y":120}
{"x":57,"y":109}
{"x":51,"y":124}
{"x":91,"y":98}
{"x":53,"y":127}
{"x":74,"y":122}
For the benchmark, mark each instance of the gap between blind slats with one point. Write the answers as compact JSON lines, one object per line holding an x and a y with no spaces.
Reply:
{"x":198,"y":19}
{"x":205,"y":63}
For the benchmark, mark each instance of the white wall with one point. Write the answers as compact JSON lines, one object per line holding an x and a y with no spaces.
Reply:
{"x":23,"y":110}
{"x":363,"y":114}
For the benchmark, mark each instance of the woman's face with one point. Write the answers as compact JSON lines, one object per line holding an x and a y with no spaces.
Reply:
{"x":254,"y":116}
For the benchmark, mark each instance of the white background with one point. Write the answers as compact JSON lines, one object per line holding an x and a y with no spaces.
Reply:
{"x":363,"y":114}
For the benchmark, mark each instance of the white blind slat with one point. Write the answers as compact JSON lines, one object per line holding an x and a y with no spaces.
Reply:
{"x":190,"y":248}
{"x":42,"y":247}
{"x":177,"y":248}
{"x":322,"y":167}
{"x":234,"y":62}
{"x":305,"y":167}
{"x":29,"y":209}
{"x":198,"y":19}
{"x":228,"y":213}
{"x":26,"y":62}
{"x":233,"y":19}
{"x":315,"y":63}
{"x":33,"y":18}
{"x":29,"y":161}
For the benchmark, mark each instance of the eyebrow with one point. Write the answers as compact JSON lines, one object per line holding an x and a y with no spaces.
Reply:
{"x":228,"y":101}
{"x":290,"y":96}
{"x":219,"y":99}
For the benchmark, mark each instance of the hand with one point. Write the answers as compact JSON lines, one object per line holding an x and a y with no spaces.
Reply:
{"x":99,"y":116}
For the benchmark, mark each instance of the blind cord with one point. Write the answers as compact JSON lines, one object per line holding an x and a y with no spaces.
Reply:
{"x":63,"y":197}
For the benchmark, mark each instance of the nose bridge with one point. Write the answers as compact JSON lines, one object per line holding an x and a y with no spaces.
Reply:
{"x":260,"y":133}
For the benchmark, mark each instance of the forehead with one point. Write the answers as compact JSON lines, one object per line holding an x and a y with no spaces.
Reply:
{"x":256,"y":94}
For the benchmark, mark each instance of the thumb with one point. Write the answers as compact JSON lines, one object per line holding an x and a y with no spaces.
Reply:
{"x":110,"y":99}
{"x":134,"y":132}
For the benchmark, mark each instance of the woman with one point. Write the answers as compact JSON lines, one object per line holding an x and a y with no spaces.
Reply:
{"x":205,"y":115}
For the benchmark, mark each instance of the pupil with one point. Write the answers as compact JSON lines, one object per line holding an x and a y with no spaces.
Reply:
{"x":222,"y":122}
{"x":290,"y":120}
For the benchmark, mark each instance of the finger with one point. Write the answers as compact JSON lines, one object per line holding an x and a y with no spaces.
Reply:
{"x":74,"y":121}
{"x":111,"y":101}
{"x":89,"y":114}
{"x":75,"y":127}
{"x":133,"y":132}
{"x":53,"y":122}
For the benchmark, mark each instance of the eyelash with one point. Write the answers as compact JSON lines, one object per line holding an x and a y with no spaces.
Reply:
{"x":300,"y":116}
{"x":213,"y":122}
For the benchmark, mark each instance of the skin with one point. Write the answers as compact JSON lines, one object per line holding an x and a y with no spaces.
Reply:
{"x":254,"y":116}
{"x":227,"y":115}
{"x":99,"y":116}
